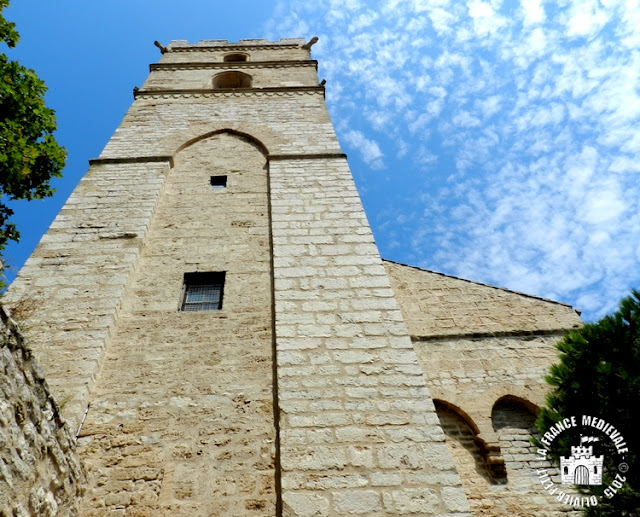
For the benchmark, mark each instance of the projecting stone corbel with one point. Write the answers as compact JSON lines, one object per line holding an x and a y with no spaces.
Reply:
{"x":162,"y":48}
{"x":493,"y":459}
{"x":312,"y":41}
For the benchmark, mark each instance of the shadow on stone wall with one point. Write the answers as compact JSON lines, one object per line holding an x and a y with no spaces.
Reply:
{"x":40,"y":473}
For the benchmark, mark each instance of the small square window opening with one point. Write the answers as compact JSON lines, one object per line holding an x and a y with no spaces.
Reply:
{"x":218,"y":182}
{"x":202,"y":291}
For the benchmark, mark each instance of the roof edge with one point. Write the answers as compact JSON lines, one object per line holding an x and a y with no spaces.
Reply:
{"x":220,"y":44}
{"x":485,"y":285}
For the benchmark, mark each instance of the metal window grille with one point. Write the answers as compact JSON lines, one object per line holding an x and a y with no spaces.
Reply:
{"x":202,"y":291}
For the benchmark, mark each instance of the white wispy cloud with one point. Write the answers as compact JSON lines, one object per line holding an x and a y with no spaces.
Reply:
{"x":533,"y":12}
{"x":369,"y":150}
{"x":516,"y":127}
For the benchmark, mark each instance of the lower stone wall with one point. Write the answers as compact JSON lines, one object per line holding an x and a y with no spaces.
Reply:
{"x":520,"y":492}
{"x":473,"y":373}
{"x":40,"y":473}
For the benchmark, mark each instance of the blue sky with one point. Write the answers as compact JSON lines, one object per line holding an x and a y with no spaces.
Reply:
{"x":492,"y":140}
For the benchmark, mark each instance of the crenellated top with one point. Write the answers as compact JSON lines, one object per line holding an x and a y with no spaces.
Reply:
{"x":220,"y":65}
{"x":208,"y":51}
{"x":178,"y":45}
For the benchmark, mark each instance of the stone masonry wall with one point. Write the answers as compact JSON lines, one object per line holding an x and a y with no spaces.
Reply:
{"x":485,"y":352}
{"x":478,"y":343}
{"x":434,"y":304}
{"x":473,"y":373}
{"x":359,"y":434}
{"x":285,"y":121}
{"x":181,"y":420}
{"x":40,"y":473}
{"x":201,"y":76}
{"x":77,"y":275}
{"x":79,"y":272}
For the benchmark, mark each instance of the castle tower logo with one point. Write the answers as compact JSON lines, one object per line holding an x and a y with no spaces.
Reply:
{"x":582,"y":467}
{"x":587,"y":468}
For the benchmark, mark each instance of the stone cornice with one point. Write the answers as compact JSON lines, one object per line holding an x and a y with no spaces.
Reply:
{"x":134,"y":159}
{"x":169,"y":159}
{"x":486,"y":335}
{"x":229,"y":92}
{"x":232,"y":65}
{"x":316,"y":156}
{"x":238,"y":47}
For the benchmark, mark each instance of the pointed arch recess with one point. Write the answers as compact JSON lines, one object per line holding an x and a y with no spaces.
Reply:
{"x":523,"y":403}
{"x":244,"y":136}
{"x":458,"y":411}
{"x":490,"y":452}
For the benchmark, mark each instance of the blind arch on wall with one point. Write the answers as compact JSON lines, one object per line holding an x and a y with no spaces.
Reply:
{"x":233,"y":79}
{"x":235,"y":57}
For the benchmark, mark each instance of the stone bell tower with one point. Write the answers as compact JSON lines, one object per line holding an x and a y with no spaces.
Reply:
{"x":214,"y":316}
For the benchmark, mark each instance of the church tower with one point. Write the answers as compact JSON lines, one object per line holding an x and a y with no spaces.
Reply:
{"x":213,"y":314}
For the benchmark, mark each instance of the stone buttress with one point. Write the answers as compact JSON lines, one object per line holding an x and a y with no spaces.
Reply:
{"x":300,"y":395}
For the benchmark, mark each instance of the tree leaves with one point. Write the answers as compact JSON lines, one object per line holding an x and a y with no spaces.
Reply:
{"x":29,"y":154}
{"x":599,"y":375}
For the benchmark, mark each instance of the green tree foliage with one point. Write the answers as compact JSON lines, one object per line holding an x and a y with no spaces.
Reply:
{"x":599,"y":375}
{"x":29,"y":154}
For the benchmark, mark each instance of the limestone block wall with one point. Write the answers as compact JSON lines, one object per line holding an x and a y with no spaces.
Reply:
{"x":473,"y":373}
{"x":199,"y":76}
{"x":187,"y":413}
{"x":40,"y":473}
{"x":478,"y":343}
{"x":181,"y":419}
{"x":359,"y":434}
{"x":76,"y":277}
{"x":434,"y":304}
{"x":285,"y":122}
{"x":484,"y":353}
{"x":80,"y":269}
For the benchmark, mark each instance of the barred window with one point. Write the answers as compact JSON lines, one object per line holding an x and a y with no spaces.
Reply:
{"x":202,"y":291}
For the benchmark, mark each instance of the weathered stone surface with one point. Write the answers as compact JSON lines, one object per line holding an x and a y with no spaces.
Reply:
{"x":434,"y":304}
{"x":40,"y":472}
{"x":311,"y":389}
{"x":324,"y":322}
{"x":191,"y":393}
{"x":485,"y":352}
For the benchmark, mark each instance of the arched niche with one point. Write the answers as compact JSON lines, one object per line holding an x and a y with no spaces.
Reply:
{"x":513,"y":419}
{"x":235,"y":57}
{"x":232,"y":79}
{"x":470,"y":452}
{"x":511,"y":410}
